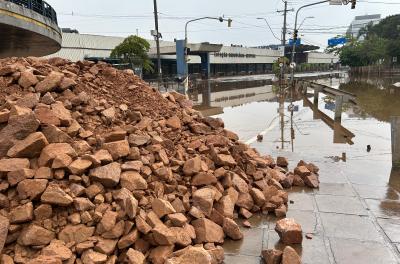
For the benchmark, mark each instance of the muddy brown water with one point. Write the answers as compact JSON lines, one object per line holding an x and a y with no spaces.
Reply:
{"x":354,"y":217}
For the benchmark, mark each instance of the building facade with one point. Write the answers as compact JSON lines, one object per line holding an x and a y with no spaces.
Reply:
{"x":360,"y":22}
{"x":230,"y":60}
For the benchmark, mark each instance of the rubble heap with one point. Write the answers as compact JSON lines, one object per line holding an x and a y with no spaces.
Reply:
{"x":97,"y":167}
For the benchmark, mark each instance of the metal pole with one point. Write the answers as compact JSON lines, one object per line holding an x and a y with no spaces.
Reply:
{"x":158,"y":45}
{"x":186,"y":44}
{"x":283,"y":69}
{"x":294,"y":40}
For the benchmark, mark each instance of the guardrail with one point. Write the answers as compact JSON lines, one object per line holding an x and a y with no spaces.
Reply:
{"x":38,"y":6}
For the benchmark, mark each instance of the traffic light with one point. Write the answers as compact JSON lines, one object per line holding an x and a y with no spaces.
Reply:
{"x":353,"y":4}
{"x":229,"y":22}
{"x":295,"y":35}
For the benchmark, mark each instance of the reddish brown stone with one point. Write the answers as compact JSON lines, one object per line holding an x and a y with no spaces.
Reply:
{"x":208,"y":231}
{"x":290,"y":256}
{"x":272,"y":256}
{"x":232,"y":230}
{"x":289,"y":231}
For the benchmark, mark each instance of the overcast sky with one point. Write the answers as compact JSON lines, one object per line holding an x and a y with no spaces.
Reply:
{"x":125,"y":17}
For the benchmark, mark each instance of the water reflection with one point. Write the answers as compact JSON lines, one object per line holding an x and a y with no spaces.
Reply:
{"x":341,"y":135}
{"x":377,"y":98}
{"x":211,"y":97}
{"x":210,"y":94}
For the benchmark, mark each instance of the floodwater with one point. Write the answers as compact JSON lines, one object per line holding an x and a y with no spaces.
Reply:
{"x":354,"y":217}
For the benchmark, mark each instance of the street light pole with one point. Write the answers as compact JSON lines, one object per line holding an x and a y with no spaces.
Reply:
{"x":220,"y":19}
{"x":295,"y":33}
{"x":266,"y":21}
{"x":301,"y":24}
{"x":159,"y":68}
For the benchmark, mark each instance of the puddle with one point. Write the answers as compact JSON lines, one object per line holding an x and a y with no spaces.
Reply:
{"x":352,"y":149}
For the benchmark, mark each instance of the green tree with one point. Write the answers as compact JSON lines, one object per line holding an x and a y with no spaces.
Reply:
{"x":388,"y":28}
{"x":380,"y":43}
{"x":134,"y":50}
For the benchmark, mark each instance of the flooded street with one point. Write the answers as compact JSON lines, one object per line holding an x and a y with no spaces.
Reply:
{"x":354,"y":217}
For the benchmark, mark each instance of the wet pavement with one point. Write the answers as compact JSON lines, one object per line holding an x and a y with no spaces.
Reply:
{"x":354,"y":217}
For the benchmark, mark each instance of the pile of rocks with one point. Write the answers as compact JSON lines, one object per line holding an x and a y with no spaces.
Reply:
{"x":97,"y":167}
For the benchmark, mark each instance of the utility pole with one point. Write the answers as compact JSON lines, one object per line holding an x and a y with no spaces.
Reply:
{"x":282,"y":75}
{"x":158,"y":45}
{"x":283,"y":43}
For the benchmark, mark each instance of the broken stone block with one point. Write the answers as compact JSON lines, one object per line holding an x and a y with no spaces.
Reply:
{"x":225,"y":206}
{"x":51,"y":82}
{"x":289,"y":231}
{"x":203,"y":199}
{"x":17,"y":128}
{"x":178,"y":219}
{"x":163,"y":235}
{"x":192,"y":166}
{"x":55,"y":195}
{"x":117,"y":149}
{"x":21,"y":214}
{"x":203,"y":178}
{"x":107,"y":222}
{"x":142,"y":226}
{"x":225,"y":160}
{"x":57,"y":249}
{"x":135,"y":257}
{"x":272,"y":256}
{"x":79,"y":166}
{"x":108,"y":175}
{"x":138,"y":140}
{"x":14,"y":177}
{"x":7,"y":165}
{"x":4,"y":225}
{"x":63,"y":114}
{"x":106,"y":246}
{"x":232,"y":230}
{"x":43,"y":211}
{"x":51,"y":151}
{"x":30,"y":147}
{"x":31,"y":188}
{"x":129,"y":239}
{"x":159,"y":254}
{"x":258,"y":197}
{"x":92,"y":257}
{"x":174,"y":122}
{"x":190,"y":255}
{"x":162,"y":207}
{"x":302,"y":171}
{"x":75,"y":233}
{"x":132,"y":181}
{"x":208,"y":231}
{"x":311,"y":181}
{"x":34,"y":235}
{"x":290,"y":256}
{"x":282,"y":162}
{"x":27,"y":79}
{"x":83,"y":204}
{"x":4,"y":115}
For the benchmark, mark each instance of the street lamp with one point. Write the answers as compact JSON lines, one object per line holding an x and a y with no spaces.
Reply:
{"x":220,"y":19}
{"x":296,"y":30}
{"x":309,"y":17}
{"x":266,"y":21}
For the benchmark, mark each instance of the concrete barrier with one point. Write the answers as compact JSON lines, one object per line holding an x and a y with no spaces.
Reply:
{"x":24,"y":32}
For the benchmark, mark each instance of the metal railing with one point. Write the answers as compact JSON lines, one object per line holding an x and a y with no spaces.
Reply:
{"x":38,"y":6}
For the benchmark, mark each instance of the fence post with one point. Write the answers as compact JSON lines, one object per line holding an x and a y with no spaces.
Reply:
{"x":395,"y":131}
